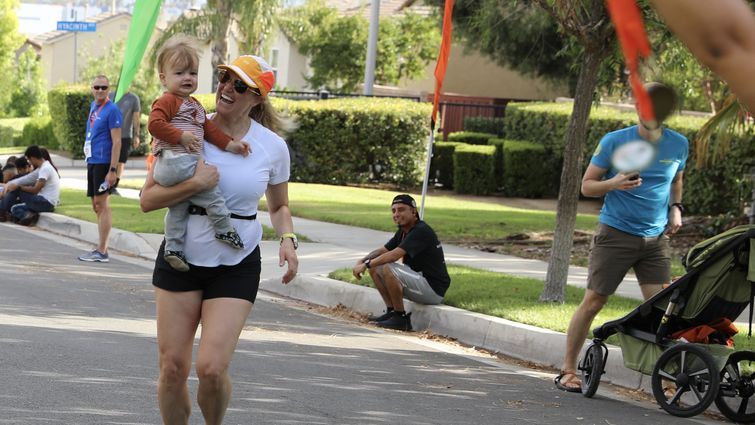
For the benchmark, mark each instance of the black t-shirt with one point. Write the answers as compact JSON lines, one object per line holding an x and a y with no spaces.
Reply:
{"x":424,"y":254}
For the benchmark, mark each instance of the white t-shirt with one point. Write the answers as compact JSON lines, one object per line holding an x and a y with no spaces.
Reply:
{"x":46,"y":172}
{"x":243,"y":181}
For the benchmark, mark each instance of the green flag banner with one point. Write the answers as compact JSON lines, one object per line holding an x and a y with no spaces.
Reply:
{"x":142,"y":24}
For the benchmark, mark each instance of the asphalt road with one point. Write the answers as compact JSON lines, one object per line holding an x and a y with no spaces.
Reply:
{"x":77,"y":346}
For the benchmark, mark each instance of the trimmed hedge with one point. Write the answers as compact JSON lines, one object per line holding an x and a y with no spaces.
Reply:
{"x":337,"y":141}
{"x":718,"y":189}
{"x":474,"y":169}
{"x":491,"y":125}
{"x":69,"y":108}
{"x":498,"y":144}
{"x":342,"y":140}
{"x":442,"y":164}
{"x":470,"y":137}
{"x":38,"y":131}
{"x":525,"y":170}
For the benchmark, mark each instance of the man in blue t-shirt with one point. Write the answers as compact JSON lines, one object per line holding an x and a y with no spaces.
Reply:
{"x":102,"y":148}
{"x":640,"y":210}
{"x":422,"y":277}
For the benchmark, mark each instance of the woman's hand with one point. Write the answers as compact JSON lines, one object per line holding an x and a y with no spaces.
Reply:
{"x":287,"y":254}
{"x":153,"y":196}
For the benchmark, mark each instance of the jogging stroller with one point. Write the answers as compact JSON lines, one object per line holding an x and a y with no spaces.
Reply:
{"x":686,"y":377}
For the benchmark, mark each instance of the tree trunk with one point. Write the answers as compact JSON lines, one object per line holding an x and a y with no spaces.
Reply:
{"x":571,"y":178}
{"x":220,"y":38}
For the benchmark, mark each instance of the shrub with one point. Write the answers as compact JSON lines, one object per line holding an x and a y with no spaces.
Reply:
{"x":11,"y":130}
{"x":474,"y":171}
{"x":720,"y":188}
{"x":356,"y":140}
{"x":525,"y":172}
{"x":498,"y":165}
{"x":470,"y":137}
{"x":69,"y":108}
{"x":38,"y":131}
{"x":491,"y":125}
{"x":442,"y":164}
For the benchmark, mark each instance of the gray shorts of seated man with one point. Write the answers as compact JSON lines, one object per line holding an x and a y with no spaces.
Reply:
{"x":396,"y":281}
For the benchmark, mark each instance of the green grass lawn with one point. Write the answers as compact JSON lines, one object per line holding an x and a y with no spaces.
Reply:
{"x":454,"y":220}
{"x":516,"y":299}
{"x":126,"y":213}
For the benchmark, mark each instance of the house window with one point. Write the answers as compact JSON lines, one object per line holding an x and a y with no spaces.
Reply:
{"x":274,"y":61}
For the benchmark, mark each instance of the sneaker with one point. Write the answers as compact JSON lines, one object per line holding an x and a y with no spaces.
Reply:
{"x":95,"y":256}
{"x":231,"y":238}
{"x":177,"y":260}
{"x":384,"y":316}
{"x":398,"y":321}
{"x":29,"y":219}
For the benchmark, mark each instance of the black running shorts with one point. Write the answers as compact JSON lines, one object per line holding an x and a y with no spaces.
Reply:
{"x":239,"y":281}
{"x":96,"y":174}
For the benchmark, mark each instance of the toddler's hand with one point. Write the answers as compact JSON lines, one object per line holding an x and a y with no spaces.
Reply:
{"x":238,"y":147}
{"x":188,"y":139}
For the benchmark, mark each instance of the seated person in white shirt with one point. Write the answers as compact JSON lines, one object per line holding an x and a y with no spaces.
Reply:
{"x":36,"y":192}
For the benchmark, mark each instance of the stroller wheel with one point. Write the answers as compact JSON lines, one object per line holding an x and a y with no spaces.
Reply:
{"x":685,"y":380}
{"x":737,"y":387}
{"x":592,"y":366}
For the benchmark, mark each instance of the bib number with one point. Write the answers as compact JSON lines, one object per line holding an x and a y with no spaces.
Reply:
{"x":87,"y":149}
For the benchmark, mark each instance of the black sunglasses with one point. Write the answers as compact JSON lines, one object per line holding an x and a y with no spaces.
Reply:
{"x":100,"y":87}
{"x":240,"y":86}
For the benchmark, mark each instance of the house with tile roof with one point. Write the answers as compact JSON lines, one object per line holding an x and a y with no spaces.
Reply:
{"x":65,"y":54}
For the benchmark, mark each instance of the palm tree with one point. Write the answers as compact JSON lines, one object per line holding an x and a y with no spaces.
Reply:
{"x":714,"y":140}
{"x":252,"y":18}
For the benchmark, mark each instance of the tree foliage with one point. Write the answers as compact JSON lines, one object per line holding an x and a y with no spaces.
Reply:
{"x":10,"y":41}
{"x":145,"y":84}
{"x":29,"y":97}
{"x":254,"y":20}
{"x":337,"y":45}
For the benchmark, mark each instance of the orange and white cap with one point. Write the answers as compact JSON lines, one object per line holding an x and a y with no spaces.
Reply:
{"x":254,"y":71}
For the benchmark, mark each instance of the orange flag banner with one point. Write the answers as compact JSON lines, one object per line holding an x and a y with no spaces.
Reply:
{"x":633,"y":39}
{"x":445,"y":51}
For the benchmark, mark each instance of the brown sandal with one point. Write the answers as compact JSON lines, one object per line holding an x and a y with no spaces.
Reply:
{"x":564,"y":380}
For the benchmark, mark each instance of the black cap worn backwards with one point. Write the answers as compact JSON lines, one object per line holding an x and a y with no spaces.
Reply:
{"x":404,"y":199}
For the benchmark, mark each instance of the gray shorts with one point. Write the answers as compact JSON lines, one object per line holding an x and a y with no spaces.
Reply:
{"x":415,"y":285}
{"x":613,"y":253}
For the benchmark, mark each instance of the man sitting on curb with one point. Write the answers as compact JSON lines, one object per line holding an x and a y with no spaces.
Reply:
{"x":421,"y":278}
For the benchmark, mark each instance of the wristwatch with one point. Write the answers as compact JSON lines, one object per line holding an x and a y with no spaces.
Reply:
{"x":367,"y":262}
{"x":113,"y":169}
{"x":293,"y":238}
{"x":679,"y":205}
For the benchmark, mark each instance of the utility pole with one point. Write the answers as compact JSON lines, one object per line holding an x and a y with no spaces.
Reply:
{"x":75,"y":45}
{"x":369,"y":66}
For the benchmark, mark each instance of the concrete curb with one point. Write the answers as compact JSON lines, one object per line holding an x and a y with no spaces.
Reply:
{"x":517,"y":340}
{"x":87,"y":232}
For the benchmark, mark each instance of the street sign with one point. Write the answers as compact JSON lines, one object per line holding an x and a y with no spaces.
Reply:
{"x":77,"y":26}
